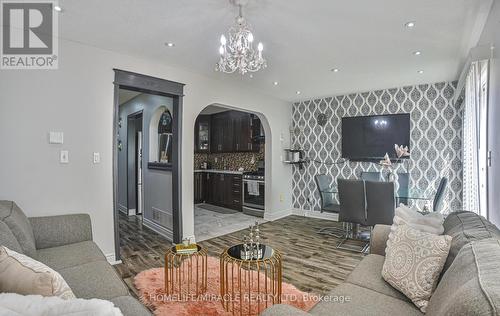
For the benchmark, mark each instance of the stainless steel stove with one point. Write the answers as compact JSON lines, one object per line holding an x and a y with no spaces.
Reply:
{"x":254,"y":193}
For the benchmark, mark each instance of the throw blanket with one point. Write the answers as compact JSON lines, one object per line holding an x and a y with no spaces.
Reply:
{"x":431,"y":223}
{"x":36,"y":305}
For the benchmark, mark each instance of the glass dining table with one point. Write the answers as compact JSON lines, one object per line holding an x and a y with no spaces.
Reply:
{"x":401,"y":194}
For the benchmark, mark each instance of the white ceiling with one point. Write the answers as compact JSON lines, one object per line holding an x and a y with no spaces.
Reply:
{"x":303,"y":40}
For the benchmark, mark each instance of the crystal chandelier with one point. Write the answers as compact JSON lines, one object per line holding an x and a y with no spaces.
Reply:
{"x":238,"y":53}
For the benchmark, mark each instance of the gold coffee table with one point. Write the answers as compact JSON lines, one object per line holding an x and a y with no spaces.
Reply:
{"x":186,"y":274}
{"x":249,"y":284}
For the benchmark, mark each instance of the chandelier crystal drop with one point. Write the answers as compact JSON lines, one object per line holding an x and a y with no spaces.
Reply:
{"x":237,"y":52}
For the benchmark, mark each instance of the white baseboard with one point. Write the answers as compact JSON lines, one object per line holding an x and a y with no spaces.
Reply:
{"x":112,"y":259}
{"x":316,"y":214}
{"x":167,"y":233}
{"x":277,"y":215}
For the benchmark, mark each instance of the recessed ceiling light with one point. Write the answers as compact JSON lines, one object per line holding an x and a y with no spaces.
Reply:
{"x":420,"y":71}
{"x":251,"y":76}
{"x":334,"y":69}
{"x":417,"y":53}
{"x":275,"y":83}
{"x":298,"y":92}
{"x":57,"y":8}
{"x":410,"y":25}
{"x":169,"y":44}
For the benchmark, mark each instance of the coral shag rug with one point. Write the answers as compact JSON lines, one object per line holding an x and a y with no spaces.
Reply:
{"x":150,"y":284}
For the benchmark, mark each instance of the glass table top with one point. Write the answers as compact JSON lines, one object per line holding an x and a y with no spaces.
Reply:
{"x":239,"y":252}
{"x":408,"y":193}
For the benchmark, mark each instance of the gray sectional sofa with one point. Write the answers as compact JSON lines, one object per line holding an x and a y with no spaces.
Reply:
{"x":469,"y":284}
{"x":65,"y":244}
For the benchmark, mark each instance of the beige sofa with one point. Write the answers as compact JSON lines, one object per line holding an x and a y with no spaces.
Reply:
{"x":65,"y":244}
{"x":469,"y":284}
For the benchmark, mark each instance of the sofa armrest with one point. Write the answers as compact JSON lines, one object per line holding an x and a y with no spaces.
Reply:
{"x":283,"y":310}
{"x":54,"y":231}
{"x":378,"y":239}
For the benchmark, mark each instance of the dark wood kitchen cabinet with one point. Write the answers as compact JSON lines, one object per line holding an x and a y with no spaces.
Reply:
{"x":222,"y":189}
{"x":234,"y":131}
{"x":199,"y":187}
{"x":202,"y":134}
{"x":220,"y":136}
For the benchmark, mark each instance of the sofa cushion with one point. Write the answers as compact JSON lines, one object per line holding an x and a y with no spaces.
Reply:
{"x":70,"y":255}
{"x":8,"y":239}
{"x":20,"y":226}
{"x":471,"y":286}
{"x":368,"y":274}
{"x":465,"y":227}
{"x":129,"y":306}
{"x":362,"y":301}
{"x":96,"y":279}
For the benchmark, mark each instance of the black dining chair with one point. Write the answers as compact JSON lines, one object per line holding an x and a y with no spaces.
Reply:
{"x":327,"y":204}
{"x":352,"y":208}
{"x":371,"y":176}
{"x":439,"y":196}
{"x":380,"y":204}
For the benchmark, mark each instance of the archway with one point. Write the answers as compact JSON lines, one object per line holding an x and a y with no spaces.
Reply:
{"x":230,"y":143}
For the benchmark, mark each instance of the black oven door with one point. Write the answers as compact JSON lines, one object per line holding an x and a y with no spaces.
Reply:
{"x":253,"y":194}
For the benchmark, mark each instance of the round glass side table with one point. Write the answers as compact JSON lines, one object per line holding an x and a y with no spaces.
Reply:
{"x":250,"y":278}
{"x":186,"y":273}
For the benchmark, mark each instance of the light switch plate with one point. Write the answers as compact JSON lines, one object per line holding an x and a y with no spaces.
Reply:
{"x":97,"y":158}
{"x":56,"y":137}
{"x":64,"y":156}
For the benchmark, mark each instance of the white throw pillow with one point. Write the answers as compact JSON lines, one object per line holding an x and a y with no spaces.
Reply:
{"x":413,"y":262}
{"x":24,"y":275}
{"x":431,"y":223}
{"x":37,"y":305}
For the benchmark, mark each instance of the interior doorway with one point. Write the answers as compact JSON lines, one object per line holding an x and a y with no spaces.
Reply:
{"x":134,"y":163}
{"x":146,"y":162}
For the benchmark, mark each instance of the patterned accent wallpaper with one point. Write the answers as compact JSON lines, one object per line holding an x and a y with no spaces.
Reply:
{"x":436,"y":139}
{"x":233,"y":161}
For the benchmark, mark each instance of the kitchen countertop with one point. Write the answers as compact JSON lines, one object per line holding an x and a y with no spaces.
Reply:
{"x":219,"y":171}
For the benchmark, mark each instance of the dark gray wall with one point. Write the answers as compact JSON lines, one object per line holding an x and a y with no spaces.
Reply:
{"x":157,"y":184}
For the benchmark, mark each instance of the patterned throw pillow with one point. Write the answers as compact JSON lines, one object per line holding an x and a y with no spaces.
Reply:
{"x":24,"y":275}
{"x":413,"y":263}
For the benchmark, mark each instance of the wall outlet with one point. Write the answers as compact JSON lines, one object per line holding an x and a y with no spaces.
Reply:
{"x":281,"y":197}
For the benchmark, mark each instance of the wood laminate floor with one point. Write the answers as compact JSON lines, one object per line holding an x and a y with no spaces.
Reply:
{"x":311,"y":261}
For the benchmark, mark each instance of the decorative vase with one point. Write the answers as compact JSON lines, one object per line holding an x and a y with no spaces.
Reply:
{"x":394,"y":177}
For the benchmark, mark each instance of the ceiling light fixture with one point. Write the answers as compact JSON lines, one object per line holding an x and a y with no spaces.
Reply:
{"x":169,"y":44}
{"x":420,"y":71}
{"x":334,"y":69}
{"x":417,"y":53}
{"x":237,"y":52}
{"x":298,"y":92}
{"x":410,"y":25}
{"x":275,"y":83}
{"x":57,"y":8}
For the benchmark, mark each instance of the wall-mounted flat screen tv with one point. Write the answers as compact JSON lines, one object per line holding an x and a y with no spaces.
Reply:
{"x":368,"y":138}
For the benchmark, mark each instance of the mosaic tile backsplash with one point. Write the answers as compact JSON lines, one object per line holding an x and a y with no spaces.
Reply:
{"x":436,"y":139}
{"x":231,"y":161}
